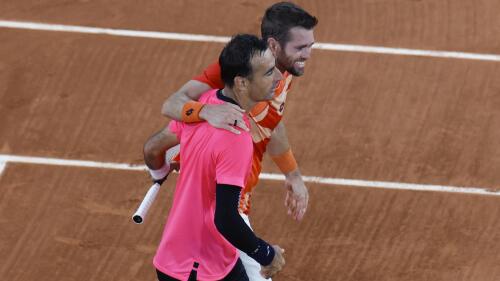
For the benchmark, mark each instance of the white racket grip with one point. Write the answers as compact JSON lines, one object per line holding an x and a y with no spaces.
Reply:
{"x":146,"y":203}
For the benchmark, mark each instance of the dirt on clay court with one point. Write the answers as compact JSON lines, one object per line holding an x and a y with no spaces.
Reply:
{"x":367,"y":116}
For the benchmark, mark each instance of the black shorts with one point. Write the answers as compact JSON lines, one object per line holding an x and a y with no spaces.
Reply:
{"x":238,"y":273}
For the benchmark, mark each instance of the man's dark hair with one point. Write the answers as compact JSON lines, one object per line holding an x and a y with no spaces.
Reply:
{"x":281,"y":17}
{"x":235,"y":58}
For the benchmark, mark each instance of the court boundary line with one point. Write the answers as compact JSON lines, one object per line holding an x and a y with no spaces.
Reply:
{"x":224,"y":39}
{"x":7,"y":158}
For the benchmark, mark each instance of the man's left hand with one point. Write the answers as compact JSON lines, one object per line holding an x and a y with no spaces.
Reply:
{"x":297,"y":196}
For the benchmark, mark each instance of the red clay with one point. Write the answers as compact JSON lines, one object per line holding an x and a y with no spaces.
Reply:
{"x":361,"y":116}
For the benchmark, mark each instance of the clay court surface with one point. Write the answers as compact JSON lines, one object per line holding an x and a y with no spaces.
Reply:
{"x":353,"y":115}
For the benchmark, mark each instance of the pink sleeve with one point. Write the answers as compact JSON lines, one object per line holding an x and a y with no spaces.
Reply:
{"x":233,"y":163}
{"x":176,"y":128}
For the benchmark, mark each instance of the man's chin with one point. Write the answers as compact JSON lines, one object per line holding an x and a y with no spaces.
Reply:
{"x":296,"y":72}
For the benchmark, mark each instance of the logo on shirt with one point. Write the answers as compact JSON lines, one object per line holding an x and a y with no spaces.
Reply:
{"x":282,"y":107}
{"x":189,"y":111}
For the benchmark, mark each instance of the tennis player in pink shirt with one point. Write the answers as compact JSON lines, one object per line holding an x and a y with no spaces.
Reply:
{"x":204,"y":228}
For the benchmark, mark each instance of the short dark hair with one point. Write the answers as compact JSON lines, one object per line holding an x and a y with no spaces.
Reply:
{"x":235,"y":58}
{"x":281,"y":17}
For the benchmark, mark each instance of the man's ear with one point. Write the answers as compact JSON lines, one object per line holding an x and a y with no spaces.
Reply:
{"x":240,"y":82}
{"x":274,"y":46}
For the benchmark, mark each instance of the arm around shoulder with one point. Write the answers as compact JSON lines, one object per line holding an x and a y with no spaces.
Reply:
{"x":191,"y":91}
{"x":219,"y":116}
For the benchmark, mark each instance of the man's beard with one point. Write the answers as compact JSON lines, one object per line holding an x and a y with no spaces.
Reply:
{"x":294,"y":71}
{"x":289,"y":66}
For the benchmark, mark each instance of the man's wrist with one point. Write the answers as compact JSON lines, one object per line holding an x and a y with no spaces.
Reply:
{"x":160,"y":173}
{"x":286,"y":162}
{"x":293,"y":174}
{"x":264,"y":254}
{"x":202,"y":114}
{"x":191,"y":112}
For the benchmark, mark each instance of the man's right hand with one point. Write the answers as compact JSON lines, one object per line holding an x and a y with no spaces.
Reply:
{"x":276,"y":265}
{"x":222,"y":116}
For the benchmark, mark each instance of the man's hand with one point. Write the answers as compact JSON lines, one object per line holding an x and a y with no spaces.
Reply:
{"x":297,"y":196}
{"x":223,"y":116}
{"x":276,"y":265}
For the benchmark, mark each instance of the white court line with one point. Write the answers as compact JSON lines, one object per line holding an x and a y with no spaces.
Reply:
{"x":264,"y":176}
{"x":223,"y":39}
{"x":68,"y":162}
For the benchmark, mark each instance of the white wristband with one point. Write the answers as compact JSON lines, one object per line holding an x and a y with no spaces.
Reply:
{"x":160,"y":173}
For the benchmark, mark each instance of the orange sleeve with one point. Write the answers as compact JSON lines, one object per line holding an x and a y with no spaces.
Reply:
{"x":211,"y":76}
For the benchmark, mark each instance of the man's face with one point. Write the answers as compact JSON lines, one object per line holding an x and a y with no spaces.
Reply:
{"x":265,"y":77}
{"x":293,"y":54}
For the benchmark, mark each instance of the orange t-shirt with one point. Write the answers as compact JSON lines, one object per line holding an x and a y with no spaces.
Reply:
{"x":265,"y":117}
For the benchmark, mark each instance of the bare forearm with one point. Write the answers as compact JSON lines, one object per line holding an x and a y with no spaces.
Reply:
{"x":279,"y":141}
{"x":191,"y":91}
{"x":156,"y":146}
{"x":172,"y":107}
{"x":221,"y":116}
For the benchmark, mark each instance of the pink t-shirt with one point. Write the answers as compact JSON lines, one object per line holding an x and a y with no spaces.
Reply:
{"x":209,"y":156}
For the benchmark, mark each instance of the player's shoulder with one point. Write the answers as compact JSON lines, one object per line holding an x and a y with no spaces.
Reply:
{"x":227,"y":139}
{"x":209,"y":97}
{"x":211,"y":76}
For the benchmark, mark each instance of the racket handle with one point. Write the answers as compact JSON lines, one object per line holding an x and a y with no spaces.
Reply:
{"x":146,"y":203}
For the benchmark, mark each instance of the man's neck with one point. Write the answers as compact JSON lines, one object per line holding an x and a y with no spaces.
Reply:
{"x":280,"y":67}
{"x":242,"y":99}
